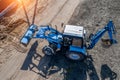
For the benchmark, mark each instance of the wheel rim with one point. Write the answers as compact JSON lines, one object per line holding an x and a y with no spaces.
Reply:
{"x":74,"y":56}
{"x":47,"y":50}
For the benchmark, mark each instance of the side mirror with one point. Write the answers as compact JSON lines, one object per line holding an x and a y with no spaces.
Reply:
{"x":56,"y":29}
{"x":62,"y":25}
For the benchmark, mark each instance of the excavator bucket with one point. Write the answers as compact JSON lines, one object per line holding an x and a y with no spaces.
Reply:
{"x":106,"y":42}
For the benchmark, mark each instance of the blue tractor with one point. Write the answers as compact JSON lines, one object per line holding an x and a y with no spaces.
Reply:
{"x":73,"y":41}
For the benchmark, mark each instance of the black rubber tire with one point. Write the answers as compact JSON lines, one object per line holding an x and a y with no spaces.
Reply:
{"x":53,"y":46}
{"x":81,"y":56}
{"x":47,"y":50}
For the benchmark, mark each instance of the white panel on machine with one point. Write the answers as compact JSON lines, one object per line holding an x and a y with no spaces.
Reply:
{"x":74,"y":30}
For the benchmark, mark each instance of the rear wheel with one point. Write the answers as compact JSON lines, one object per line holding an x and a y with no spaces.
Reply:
{"x":75,"y":56}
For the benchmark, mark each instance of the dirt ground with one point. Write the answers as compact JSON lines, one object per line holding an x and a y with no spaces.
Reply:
{"x":29,"y":63}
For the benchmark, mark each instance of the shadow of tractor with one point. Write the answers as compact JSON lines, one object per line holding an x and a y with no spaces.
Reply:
{"x":59,"y":64}
{"x":28,"y":60}
{"x":107,"y":73}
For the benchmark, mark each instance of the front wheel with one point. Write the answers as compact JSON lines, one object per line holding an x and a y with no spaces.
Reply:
{"x":48,"y":50}
{"x":75,"y":56}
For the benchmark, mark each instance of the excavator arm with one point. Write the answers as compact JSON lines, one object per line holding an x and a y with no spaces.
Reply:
{"x":110,"y":28}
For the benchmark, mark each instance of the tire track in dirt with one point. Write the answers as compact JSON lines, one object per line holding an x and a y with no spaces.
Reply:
{"x":11,"y":66}
{"x":65,"y":14}
{"x":59,"y":11}
{"x":50,"y":12}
